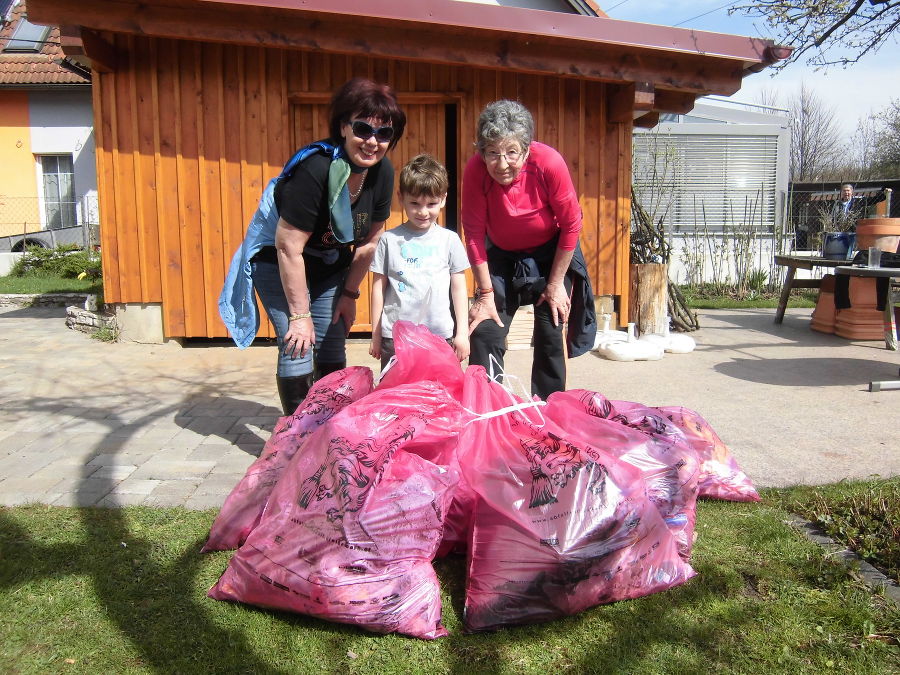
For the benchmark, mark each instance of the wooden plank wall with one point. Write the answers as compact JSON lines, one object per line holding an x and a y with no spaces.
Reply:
{"x":189,"y":133}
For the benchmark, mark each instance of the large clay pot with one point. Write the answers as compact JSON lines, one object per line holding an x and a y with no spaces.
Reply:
{"x":881,"y":232}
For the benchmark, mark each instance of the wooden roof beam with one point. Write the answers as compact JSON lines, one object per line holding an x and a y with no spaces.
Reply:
{"x":648,"y":121}
{"x":408,"y":40}
{"x":80,"y":43}
{"x":629,"y":102}
{"x":674,"y":102}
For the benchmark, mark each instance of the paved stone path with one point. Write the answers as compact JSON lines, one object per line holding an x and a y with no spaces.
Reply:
{"x":89,"y":423}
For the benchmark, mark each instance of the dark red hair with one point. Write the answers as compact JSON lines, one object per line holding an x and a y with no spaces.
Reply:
{"x":360,"y":98}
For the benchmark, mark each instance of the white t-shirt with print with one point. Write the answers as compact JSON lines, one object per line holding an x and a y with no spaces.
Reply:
{"x":418,"y":265}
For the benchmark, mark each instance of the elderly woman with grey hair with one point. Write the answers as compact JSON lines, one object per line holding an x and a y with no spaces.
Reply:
{"x":522,"y":220}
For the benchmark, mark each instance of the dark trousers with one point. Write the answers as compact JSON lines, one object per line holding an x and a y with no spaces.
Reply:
{"x":548,"y":370}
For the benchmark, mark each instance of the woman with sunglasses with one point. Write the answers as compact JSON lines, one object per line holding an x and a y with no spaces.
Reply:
{"x":522,"y":220}
{"x":309,"y":246}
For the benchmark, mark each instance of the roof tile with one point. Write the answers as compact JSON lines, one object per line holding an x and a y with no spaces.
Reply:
{"x":34,"y":68}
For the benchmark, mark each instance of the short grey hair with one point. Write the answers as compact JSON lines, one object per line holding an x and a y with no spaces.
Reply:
{"x":505,"y":119}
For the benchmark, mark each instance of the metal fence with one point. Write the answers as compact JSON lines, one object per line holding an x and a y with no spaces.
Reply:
{"x":25,"y":219}
{"x":810,"y":213}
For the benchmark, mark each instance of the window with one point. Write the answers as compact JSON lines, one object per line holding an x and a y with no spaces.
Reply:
{"x":59,"y":191}
{"x":707,"y":181}
{"x":27,"y":37}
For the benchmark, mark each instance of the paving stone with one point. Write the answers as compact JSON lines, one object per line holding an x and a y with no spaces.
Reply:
{"x":204,"y":502}
{"x":18,"y":440}
{"x":177,"y":488}
{"x":110,"y":459}
{"x":216,"y":439}
{"x":164,"y":500}
{"x":25,"y":498}
{"x":33,"y":485}
{"x":185,"y":439}
{"x":79,"y":499}
{"x":219,"y":483}
{"x":120,"y":499}
{"x":160,"y":469}
{"x":85,"y":484}
{"x":114,"y":471}
{"x":135,"y":486}
{"x":213,"y":453}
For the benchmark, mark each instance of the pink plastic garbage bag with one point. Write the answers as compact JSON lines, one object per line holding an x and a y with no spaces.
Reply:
{"x":720,"y":475}
{"x":421,"y":355}
{"x":559,"y":525}
{"x":243,"y":507}
{"x":657,"y":448}
{"x":352,"y":526}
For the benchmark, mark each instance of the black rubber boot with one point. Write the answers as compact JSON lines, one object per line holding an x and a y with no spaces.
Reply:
{"x":292,"y":391}
{"x":323,"y":369}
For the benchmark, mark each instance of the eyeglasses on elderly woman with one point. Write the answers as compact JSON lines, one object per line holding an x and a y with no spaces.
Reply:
{"x":511,"y":156}
{"x":365,"y":131}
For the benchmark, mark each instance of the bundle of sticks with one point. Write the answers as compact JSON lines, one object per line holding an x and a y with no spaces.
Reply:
{"x":649,"y":245}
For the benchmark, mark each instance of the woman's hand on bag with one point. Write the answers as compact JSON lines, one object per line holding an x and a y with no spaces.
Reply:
{"x":556,"y":297}
{"x":482,"y":309}
{"x":346,"y":310}
{"x":299,"y":338}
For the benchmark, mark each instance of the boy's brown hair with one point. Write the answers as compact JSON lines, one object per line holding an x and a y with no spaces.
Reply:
{"x":424,"y":175}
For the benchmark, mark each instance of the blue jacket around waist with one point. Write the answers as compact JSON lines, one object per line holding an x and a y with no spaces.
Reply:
{"x":237,"y":302}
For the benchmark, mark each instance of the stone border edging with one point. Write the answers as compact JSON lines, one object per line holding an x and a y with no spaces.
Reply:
{"x":42,"y":299}
{"x":869,"y":575}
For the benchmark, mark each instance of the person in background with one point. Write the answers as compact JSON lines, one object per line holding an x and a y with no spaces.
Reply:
{"x":521,"y":219}
{"x":419,"y":266}
{"x":853,"y":208}
{"x":309,"y":246}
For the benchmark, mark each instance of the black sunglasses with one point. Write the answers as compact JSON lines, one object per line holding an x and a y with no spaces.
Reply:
{"x":365,"y":131}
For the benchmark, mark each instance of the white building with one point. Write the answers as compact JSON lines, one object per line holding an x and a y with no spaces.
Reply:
{"x":717,"y":178}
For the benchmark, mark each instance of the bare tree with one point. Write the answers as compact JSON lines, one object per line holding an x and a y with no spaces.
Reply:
{"x":861,"y":151}
{"x":816,"y":146}
{"x":829,"y":32}
{"x":887,"y":140}
{"x":769,"y":97}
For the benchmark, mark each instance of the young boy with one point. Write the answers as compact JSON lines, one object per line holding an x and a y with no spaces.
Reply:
{"x":419,"y":266}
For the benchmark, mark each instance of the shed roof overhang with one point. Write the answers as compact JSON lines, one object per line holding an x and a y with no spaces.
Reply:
{"x":669,"y":67}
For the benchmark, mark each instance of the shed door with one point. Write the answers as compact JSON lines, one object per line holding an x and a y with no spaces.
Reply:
{"x":426,"y":125}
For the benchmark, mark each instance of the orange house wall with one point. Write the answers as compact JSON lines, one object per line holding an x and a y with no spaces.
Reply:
{"x":189,"y":133}
{"x":18,"y":183}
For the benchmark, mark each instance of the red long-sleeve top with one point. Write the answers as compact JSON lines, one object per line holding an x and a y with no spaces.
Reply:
{"x":540,"y":202}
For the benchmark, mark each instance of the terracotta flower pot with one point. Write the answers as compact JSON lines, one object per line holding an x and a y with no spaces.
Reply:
{"x":881,"y":232}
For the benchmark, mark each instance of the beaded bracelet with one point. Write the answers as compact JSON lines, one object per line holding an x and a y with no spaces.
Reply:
{"x":301,"y":315}
{"x":350,"y":294}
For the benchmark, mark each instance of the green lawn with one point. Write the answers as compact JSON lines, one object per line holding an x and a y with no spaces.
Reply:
{"x":49,"y":284}
{"x":124,"y":591}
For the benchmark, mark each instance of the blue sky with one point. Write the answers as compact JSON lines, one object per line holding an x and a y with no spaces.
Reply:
{"x":853,"y":92}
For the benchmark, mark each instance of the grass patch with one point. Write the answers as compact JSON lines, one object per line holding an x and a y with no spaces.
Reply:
{"x":864,"y":516}
{"x":49,"y":284}
{"x":64,"y":269}
{"x":124,"y":590}
{"x":711,"y":296}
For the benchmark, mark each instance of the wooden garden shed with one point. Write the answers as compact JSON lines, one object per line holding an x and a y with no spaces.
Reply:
{"x":197,"y":104}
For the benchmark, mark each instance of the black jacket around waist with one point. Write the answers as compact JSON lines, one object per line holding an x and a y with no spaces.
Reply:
{"x":519,"y":278}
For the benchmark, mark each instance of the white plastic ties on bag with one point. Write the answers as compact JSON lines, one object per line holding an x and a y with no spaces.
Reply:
{"x":512,"y":408}
{"x":387,"y":367}
{"x":506,"y":383}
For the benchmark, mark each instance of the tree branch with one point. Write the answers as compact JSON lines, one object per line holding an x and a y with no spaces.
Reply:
{"x":838,"y":24}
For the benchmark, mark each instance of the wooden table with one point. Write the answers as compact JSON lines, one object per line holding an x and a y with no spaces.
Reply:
{"x":793,"y":263}
{"x":890,"y":329}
